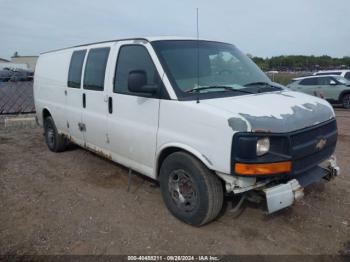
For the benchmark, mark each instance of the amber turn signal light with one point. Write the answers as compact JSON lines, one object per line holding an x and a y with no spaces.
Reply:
{"x":263,"y":169}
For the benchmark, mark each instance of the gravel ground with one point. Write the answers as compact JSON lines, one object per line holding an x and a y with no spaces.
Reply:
{"x":77,"y":203}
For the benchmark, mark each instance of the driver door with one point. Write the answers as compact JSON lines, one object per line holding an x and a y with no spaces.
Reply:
{"x":133,"y":117}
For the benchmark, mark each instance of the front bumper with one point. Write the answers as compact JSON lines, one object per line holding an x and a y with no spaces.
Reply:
{"x":283,"y":195}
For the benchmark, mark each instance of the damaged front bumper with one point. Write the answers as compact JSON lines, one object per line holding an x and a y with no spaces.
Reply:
{"x":284,"y":195}
{"x":279,"y":193}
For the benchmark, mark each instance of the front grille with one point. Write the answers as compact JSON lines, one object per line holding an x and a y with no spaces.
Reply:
{"x":304,"y":151}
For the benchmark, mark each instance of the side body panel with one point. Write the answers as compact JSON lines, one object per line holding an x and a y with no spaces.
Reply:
{"x":333,"y":92}
{"x":197,"y":128}
{"x":133,"y":131}
{"x":307,"y":89}
{"x":49,"y":86}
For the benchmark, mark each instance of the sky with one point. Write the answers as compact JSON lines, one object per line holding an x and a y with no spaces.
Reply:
{"x":259,"y":27}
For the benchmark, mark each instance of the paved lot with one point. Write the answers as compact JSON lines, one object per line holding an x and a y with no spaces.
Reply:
{"x":76,"y":203}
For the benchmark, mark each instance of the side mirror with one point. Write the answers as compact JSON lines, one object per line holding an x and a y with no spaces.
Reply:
{"x":332,"y":83}
{"x":137,"y":83}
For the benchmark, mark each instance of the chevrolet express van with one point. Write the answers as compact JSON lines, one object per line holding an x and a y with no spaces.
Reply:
{"x":198,"y":116}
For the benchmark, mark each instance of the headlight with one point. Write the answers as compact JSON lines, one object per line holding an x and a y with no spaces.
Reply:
{"x":262,"y":146}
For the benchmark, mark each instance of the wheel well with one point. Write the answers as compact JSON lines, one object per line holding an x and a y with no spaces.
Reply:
{"x":343,"y":94}
{"x":166,"y":152}
{"x":46,"y":113}
{"x":170,"y":150}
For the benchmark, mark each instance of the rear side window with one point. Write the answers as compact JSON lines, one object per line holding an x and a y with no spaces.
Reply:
{"x":347,"y":75}
{"x":324,"y":81}
{"x":309,"y":81}
{"x":132,"y":58}
{"x":94,"y":76}
{"x":75,"y":68}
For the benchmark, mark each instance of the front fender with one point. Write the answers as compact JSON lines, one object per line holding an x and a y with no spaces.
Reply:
{"x":204,"y":159}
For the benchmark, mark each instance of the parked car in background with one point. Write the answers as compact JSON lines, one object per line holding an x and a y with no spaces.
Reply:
{"x":21,"y":75}
{"x":30,"y":75}
{"x":334,"y":88}
{"x":5,"y":75}
{"x":343,"y":73}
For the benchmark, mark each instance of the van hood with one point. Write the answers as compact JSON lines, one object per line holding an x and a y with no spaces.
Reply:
{"x":277,"y":112}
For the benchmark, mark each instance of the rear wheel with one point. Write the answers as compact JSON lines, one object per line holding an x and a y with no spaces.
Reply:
{"x":346,"y":101}
{"x":54,"y":141}
{"x":191,"y":192}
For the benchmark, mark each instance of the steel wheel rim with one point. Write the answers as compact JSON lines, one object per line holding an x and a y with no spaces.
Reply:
{"x":182,"y":190}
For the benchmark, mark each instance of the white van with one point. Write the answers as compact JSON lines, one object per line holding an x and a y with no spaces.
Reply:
{"x":198,"y":116}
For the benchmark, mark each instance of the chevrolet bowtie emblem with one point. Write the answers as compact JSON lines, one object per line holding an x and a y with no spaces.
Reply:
{"x":321,"y":143}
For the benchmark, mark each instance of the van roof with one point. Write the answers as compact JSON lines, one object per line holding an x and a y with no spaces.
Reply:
{"x":148,"y":39}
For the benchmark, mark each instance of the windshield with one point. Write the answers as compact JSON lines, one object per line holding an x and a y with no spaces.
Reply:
{"x":207,"y":67}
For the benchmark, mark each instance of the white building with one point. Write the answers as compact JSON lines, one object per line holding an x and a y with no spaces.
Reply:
{"x":30,"y":61}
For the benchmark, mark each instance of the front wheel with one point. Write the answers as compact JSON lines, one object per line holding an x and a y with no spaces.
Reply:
{"x":55,"y":142}
{"x":191,"y":192}
{"x":346,"y":101}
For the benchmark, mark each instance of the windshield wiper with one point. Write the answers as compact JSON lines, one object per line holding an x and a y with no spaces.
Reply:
{"x":262,"y":85}
{"x":226,"y":88}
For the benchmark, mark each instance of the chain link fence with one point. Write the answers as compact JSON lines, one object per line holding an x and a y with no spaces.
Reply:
{"x":16,"y":98}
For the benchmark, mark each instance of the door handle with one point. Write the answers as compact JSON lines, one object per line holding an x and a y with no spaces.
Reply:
{"x":110,"y":105}
{"x":84,"y":100}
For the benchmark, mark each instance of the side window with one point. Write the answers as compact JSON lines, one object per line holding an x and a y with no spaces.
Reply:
{"x":75,"y":68}
{"x":302,"y":82}
{"x":94,"y":76}
{"x":133,"y":58}
{"x":323,"y":81}
{"x":347,"y":75}
{"x":309,"y":81}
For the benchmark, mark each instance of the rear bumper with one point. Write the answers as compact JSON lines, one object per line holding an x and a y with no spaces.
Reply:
{"x":283,"y":195}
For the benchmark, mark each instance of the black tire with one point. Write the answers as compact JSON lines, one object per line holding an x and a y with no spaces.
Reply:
{"x":55,"y":142}
{"x":198,"y":197}
{"x":346,"y":100}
